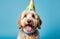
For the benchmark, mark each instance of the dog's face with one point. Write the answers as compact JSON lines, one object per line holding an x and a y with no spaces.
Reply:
{"x":29,"y":21}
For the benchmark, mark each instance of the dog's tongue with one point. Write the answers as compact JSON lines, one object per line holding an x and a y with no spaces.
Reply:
{"x":28,"y":28}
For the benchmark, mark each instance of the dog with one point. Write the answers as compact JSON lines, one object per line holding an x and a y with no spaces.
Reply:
{"x":29,"y":23}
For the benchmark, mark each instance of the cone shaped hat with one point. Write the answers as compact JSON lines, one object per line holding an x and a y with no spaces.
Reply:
{"x":31,"y":6}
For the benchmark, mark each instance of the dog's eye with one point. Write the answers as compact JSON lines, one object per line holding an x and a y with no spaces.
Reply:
{"x":33,"y":16}
{"x":25,"y":15}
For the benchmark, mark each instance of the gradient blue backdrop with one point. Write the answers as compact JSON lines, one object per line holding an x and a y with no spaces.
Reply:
{"x":48,"y":10}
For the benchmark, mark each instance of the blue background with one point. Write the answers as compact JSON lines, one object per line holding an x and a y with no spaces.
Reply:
{"x":48,"y":10}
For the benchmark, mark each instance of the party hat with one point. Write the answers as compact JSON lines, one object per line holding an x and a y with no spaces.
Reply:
{"x":31,"y":6}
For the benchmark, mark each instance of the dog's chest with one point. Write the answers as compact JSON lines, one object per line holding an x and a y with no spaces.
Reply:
{"x":22,"y":35}
{"x":31,"y":37}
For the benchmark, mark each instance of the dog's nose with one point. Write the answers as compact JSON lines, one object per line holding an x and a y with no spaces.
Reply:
{"x":29,"y":21}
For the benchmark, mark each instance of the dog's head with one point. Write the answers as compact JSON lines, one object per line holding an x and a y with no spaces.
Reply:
{"x":29,"y":21}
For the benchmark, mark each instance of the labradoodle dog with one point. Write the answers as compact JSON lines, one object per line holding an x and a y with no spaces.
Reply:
{"x":29,"y":23}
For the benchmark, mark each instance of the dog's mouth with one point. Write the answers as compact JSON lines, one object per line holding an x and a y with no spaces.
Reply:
{"x":28,"y":27}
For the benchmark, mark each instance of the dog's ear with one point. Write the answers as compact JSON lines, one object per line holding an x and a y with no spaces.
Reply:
{"x":19,"y":23}
{"x":39,"y":22}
